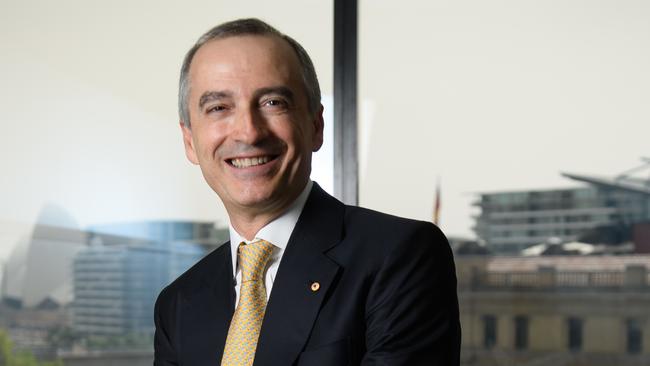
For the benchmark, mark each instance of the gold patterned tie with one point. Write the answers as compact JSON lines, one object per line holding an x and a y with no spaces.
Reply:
{"x":247,"y":320}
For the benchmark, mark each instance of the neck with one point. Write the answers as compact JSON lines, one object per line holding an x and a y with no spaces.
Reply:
{"x":248,"y":221}
{"x":248,"y":227}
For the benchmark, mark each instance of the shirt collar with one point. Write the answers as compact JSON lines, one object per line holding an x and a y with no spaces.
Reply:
{"x":276,"y":232}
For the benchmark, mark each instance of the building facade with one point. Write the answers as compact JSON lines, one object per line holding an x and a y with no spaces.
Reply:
{"x":117,"y":278}
{"x":568,"y":310}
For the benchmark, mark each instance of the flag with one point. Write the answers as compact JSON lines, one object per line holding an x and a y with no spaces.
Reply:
{"x":436,"y":204}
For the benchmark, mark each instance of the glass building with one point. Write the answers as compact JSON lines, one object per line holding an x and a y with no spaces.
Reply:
{"x":512,"y":221}
{"x":119,"y":275}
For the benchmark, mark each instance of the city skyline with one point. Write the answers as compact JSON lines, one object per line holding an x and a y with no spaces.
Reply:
{"x":490,"y":98}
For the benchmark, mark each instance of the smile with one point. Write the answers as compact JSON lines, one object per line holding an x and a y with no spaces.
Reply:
{"x":249,"y":162}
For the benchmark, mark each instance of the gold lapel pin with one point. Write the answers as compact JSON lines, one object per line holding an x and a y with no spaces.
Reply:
{"x":315,"y":286}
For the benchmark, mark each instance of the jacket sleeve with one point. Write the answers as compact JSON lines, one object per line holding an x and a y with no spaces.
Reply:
{"x":165,"y":353}
{"x":412,"y":308}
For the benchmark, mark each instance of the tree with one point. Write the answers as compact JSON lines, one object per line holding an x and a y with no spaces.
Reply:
{"x":10,"y":357}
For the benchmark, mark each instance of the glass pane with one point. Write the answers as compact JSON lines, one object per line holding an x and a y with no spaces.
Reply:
{"x":523,"y":127}
{"x":99,"y":207}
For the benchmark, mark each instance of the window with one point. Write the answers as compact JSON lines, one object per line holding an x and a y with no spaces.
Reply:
{"x":575,"y":333}
{"x":634,"y":336}
{"x":489,"y":331}
{"x":521,"y":332}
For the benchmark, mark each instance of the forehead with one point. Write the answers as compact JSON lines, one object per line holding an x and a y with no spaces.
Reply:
{"x":250,"y":60}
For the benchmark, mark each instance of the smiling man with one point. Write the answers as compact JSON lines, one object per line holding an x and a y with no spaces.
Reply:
{"x":304,"y":279}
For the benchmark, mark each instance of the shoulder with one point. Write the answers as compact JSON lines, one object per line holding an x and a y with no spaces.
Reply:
{"x":408,"y":286}
{"x":375,"y":239}
{"x":389,"y":230}
{"x":202,"y":272}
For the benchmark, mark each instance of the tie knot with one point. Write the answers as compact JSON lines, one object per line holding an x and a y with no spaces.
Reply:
{"x":253,"y":258}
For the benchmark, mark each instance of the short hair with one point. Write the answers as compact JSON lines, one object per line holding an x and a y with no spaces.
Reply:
{"x":244,"y":27}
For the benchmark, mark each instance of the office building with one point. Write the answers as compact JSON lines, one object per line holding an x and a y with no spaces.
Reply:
{"x":513,"y":220}
{"x":117,"y":278}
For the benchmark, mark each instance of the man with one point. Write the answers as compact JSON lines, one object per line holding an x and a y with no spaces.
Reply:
{"x":304,"y":279}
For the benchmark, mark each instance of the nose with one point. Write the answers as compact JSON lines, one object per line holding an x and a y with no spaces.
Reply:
{"x":249,"y":127}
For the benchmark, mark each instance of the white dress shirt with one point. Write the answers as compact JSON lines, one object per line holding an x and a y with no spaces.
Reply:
{"x":276,"y":232}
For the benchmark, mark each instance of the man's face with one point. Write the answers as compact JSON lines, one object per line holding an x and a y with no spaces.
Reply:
{"x":251,"y":130}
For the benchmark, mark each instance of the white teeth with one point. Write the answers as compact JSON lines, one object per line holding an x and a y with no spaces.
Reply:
{"x":248,"y":162}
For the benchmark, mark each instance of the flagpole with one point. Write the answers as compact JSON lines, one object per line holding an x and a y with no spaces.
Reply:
{"x":436,"y":204}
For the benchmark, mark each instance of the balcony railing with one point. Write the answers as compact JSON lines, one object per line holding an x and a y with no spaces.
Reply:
{"x":633,"y":278}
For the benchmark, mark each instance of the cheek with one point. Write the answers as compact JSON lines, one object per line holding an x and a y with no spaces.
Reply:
{"x":295,"y":135}
{"x":210,"y":141}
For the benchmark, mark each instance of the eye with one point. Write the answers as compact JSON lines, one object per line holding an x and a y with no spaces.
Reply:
{"x":276,"y":102}
{"x":216,"y":108}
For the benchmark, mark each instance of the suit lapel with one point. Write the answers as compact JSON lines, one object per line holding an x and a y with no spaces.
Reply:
{"x":294,"y":304}
{"x":208,"y":311}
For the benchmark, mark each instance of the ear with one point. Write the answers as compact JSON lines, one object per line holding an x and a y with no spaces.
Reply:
{"x":190,"y":150}
{"x":319,"y":125}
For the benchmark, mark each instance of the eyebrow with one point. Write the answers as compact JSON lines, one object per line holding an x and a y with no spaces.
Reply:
{"x":210,"y":96}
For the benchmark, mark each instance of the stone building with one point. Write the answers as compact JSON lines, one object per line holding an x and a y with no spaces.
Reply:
{"x":564,"y":310}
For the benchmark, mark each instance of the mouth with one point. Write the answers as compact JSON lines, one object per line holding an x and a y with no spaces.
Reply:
{"x":251,"y":161}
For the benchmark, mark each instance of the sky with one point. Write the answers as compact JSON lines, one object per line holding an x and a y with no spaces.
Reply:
{"x":480,"y":96}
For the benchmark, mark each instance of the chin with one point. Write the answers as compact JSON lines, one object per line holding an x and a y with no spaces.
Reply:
{"x":254,"y":198}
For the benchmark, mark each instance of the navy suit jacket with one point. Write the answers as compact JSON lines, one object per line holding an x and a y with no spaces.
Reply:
{"x":387,"y":296}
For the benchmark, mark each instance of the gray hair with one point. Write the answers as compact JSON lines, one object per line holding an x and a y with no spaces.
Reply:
{"x":244,"y":27}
